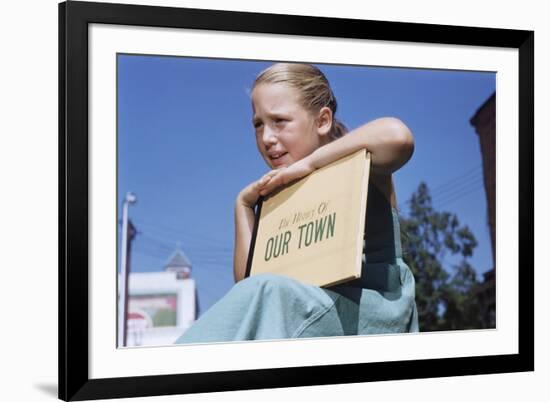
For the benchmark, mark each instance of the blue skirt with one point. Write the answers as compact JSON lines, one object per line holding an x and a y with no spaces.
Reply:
{"x":269,"y":306}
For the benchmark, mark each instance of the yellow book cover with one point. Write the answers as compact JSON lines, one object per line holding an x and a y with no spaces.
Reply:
{"x":313,"y":230}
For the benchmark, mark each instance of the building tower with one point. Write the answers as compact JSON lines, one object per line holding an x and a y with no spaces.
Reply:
{"x":179,"y":263}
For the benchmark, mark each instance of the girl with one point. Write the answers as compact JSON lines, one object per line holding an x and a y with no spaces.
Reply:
{"x":296,"y":133}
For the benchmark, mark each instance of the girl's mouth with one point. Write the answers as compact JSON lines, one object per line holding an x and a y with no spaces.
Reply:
{"x":277,"y":156}
{"x":277,"y":159}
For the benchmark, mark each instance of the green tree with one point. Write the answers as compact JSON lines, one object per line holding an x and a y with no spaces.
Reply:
{"x":445,"y":292}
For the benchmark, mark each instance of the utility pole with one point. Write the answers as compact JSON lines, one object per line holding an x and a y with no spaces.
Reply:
{"x":131,"y":234}
{"x":128,"y":233}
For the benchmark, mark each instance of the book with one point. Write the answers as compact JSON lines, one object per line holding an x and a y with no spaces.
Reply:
{"x":312,"y":230}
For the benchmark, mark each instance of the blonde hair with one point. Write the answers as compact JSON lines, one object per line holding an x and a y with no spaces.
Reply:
{"x":312,"y":86}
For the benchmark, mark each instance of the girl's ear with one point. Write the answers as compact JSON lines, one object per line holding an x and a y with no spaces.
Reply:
{"x":324,"y":121}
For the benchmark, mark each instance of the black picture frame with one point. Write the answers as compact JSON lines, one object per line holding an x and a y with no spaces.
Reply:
{"x":74,"y":380}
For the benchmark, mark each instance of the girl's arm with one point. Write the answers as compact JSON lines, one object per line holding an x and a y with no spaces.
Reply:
{"x":244,"y":224}
{"x":389,"y":141}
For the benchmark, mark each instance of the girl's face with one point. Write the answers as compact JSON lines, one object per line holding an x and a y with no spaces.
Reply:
{"x":285,"y":131}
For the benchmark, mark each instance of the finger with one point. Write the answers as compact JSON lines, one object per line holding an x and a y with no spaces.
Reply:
{"x":272,"y":173}
{"x":267,"y":177}
{"x":265,"y":188}
{"x":271,"y":185}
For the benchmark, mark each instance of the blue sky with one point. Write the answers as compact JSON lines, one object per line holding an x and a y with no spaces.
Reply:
{"x":186,"y":147}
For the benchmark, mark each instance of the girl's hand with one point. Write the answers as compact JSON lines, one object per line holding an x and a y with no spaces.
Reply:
{"x":250,"y":194}
{"x":281,"y":177}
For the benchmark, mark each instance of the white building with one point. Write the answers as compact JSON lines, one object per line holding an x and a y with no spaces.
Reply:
{"x":161,"y":305}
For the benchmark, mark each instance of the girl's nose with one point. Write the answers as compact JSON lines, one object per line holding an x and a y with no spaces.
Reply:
{"x":269,"y":136}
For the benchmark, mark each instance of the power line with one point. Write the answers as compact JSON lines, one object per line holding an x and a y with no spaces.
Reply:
{"x":217,"y":265}
{"x":145,"y":238}
{"x":449,"y":188}
{"x":458,"y":190}
{"x":226,"y":260}
{"x":170,"y":245}
{"x":454,"y":186}
{"x":159,"y":253}
{"x":473,"y":171}
{"x":164,"y":253}
{"x":171,"y":231}
{"x":148,"y":253}
{"x":473,"y":190}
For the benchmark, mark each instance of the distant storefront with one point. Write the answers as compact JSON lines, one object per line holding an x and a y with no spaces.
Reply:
{"x":161,"y":305}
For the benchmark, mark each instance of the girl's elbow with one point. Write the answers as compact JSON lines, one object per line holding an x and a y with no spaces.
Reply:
{"x":401,"y":135}
{"x":404,"y":142}
{"x":391,"y":143}
{"x":399,"y":144}
{"x":401,"y":140}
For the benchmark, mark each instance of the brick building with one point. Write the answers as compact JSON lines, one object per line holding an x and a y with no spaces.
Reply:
{"x":484,"y":122}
